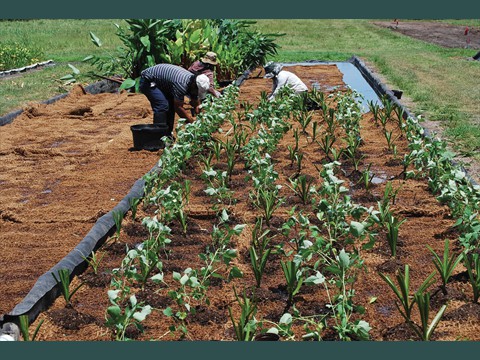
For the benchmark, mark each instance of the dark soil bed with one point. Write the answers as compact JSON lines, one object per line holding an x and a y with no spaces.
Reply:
{"x":85,"y":163}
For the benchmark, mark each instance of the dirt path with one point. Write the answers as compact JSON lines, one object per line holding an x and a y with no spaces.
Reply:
{"x":446,"y":35}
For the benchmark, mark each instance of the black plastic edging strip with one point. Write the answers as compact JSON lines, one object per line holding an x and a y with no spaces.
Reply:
{"x":95,"y":88}
{"x":46,"y":289}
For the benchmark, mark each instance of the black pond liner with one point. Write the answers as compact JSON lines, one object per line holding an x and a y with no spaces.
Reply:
{"x":46,"y":290}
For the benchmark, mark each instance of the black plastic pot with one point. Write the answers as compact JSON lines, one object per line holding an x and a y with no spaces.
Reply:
{"x":397,"y":93}
{"x":477,"y":56}
{"x":149,"y":136}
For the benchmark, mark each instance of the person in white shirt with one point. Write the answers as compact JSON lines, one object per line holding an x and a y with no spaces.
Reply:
{"x":282,"y":78}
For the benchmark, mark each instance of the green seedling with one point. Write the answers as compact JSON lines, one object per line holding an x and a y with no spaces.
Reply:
{"x":24,"y":324}
{"x":425,"y":331}
{"x":246,"y":325}
{"x":314,"y":131}
{"x":399,"y":112}
{"x":445,"y":265}
{"x":118,"y":319}
{"x":299,"y":159}
{"x":304,"y":119}
{"x":294,"y":278}
{"x":393,"y":225}
{"x":326,"y":144}
{"x":472,"y":263}
{"x":258,"y":263}
{"x":93,"y":261}
{"x":366,"y":178}
{"x":268,"y":201}
{"x":402,"y":292}
{"x":390,"y":139}
{"x":301,"y":187}
{"x":117,"y":218}
{"x":374,"y":109}
{"x":133,"y":202}
{"x":291,"y":154}
{"x":64,"y":281}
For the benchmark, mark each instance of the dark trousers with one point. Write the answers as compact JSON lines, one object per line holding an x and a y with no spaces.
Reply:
{"x":160,"y":101}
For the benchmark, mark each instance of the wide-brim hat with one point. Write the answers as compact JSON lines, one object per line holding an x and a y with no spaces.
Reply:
{"x":203,"y":84}
{"x":272,"y":69}
{"x":210,"y":58}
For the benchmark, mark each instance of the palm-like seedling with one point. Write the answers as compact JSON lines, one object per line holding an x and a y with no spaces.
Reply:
{"x":314,"y":131}
{"x":245,"y":325}
{"x":326,"y":144}
{"x":393,"y":225}
{"x":402,"y":292}
{"x":472,"y":263}
{"x":374,"y":109}
{"x":117,"y":218}
{"x":268,"y":201}
{"x":133,"y":202}
{"x":424,"y":330}
{"x":299,"y":159}
{"x":301,"y":187}
{"x":294,"y":278}
{"x":63,"y":281}
{"x":304,"y":119}
{"x":259,"y":261}
{"x":445,"y":265}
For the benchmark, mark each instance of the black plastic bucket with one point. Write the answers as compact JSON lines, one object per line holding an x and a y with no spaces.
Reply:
{"x":149,"y":136}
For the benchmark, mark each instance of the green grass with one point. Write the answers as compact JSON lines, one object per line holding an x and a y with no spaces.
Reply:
{"x":442,"y":84}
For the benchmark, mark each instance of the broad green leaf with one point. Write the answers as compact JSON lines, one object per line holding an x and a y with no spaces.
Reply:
{"x":316,"y":279}
{"x":168,"y":311}
{"x":184,"y":279}
{"x":357,"y":229}
{"x":235,"y":273}
{"x":157,"y":277}
{"x":127,"y":84}
{"x":224,"y":215}
{"x":285,"y":319}
{"x":195,"y":37}
{"x":141,"y":315}
{"x":145,"y":40}
{"x":176,"y":276}
{"x":114,"y":311}
{"x":74,"y":69}
{"x":113,"y":294}
{"x":343,"y":259}
{"x":67,"y":77}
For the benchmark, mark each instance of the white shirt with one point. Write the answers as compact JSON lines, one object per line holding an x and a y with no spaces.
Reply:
{"x":285,"y":78}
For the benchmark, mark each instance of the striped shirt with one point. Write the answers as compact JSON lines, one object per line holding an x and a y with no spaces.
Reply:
{"x":171,"y":79}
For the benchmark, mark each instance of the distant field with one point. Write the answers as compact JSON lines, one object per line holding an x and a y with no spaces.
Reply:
{"x":440,"y":82}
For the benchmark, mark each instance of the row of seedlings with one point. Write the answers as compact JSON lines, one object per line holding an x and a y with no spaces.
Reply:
{"x":143,"y":263}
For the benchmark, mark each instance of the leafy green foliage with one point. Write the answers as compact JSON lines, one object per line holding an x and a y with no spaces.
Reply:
{"x":15,"y":55}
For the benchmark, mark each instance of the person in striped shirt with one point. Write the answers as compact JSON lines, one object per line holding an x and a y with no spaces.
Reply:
{"x":166,"y":86}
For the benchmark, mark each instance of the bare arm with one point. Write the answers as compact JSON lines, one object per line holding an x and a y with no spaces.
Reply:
{"x":181,"y":111}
